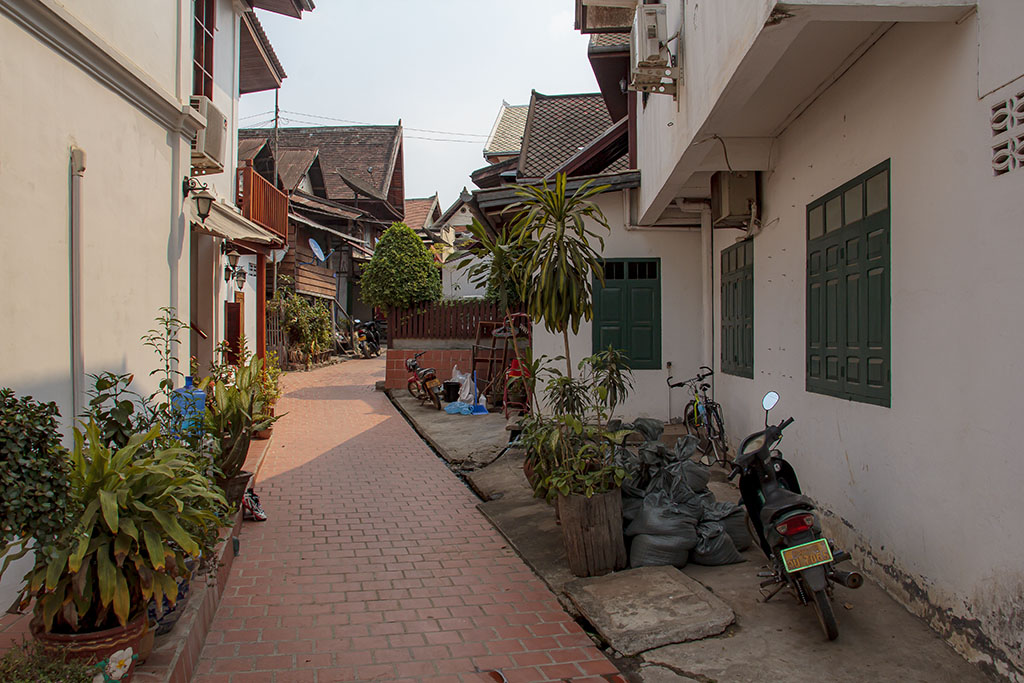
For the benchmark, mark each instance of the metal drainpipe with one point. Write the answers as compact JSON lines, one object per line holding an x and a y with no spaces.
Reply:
{"x":707,"y":243}
{"x":77,"y":167}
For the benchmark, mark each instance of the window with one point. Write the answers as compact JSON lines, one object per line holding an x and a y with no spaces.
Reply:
{"x":627,"y":311}
{"x":202,"y":48}
{"x":848,"y":331}
{"x":738,"y":309}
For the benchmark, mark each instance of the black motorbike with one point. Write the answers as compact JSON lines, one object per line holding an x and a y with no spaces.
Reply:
{"x":366,"y":336}
{"x":787,"y":526}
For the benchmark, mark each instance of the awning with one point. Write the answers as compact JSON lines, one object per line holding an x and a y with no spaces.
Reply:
{"x":224,"y":221}
{"x":354,"y":241}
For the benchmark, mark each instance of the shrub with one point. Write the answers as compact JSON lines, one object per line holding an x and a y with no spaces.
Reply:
{"x":33,"y":664}
{"x":308,"y":323}
{"x":34,"y":469}
{"x":402,"y":271}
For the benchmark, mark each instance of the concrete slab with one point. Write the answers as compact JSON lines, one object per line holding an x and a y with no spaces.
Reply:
{"x":503,"y":478}
{"x":660,"y":674}
{"x":467,"y":442}
{"x":649,"y":607}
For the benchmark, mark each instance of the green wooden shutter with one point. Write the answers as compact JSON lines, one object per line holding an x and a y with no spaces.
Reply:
{"x":627,"y":311}
{"x":737,"y":345}
{"x":848,"y":298}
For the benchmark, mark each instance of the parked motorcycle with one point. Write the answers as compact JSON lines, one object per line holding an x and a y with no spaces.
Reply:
{"x":367,"y":338}
{"x":423,"y":383}
{"x":787,"y":526}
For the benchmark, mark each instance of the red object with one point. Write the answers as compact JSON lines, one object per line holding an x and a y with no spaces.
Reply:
{"x":795,"y":525}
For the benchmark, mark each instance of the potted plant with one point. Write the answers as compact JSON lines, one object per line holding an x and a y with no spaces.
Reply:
{"x":269,"y":390}
{"x":233,"y":414}
{"x":572,"y":452}
{"x":31,"y":663}
{"x":139,"y":513}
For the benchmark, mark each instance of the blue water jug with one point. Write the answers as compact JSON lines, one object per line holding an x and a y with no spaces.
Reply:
{"x":190,"y":403}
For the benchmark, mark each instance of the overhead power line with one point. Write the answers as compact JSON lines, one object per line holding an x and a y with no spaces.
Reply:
{"x":306,"y":122}
{"x":364,"y":123}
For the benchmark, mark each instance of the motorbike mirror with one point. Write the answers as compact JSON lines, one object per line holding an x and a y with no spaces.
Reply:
{"x":769,"y":400}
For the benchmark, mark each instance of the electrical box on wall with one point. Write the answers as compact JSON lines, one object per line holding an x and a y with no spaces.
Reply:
{"x":733,"y":198}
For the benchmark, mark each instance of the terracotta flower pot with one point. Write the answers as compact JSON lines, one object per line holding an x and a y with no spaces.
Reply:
{"x":265,"y":434}
{"x":117,"y":648}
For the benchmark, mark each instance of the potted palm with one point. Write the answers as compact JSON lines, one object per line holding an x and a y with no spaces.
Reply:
{"x":573,"y":452}
{"x":139,"y":512}
{"x":571,"y":447}
{"x":233,"y":414}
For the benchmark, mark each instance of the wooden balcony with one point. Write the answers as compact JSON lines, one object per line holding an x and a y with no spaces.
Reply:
{"x":261,"y":202}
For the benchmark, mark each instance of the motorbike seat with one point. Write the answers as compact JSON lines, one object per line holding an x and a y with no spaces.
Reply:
{"x":782,"y":501}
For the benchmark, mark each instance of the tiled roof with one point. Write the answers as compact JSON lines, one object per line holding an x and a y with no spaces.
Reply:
{"x":559,"y":127}
{"x":418,"y":212}
{"x":248,"y":149}
{"x":366,"y":154}
{"x":292,"y":165}
{"x":507,"y":135}
{"x":599,"y":40}
{"x":265,"y":41}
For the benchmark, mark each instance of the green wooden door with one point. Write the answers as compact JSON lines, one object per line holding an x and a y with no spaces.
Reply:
{"x":627,"y":311}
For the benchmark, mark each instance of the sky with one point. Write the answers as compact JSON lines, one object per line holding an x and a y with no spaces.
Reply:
{"x":438,"y":65}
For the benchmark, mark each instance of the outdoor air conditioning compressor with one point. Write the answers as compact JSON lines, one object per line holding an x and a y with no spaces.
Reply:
{"x":733,"y":196}
{"x":210,"y":143}
{"x":652,"y":69}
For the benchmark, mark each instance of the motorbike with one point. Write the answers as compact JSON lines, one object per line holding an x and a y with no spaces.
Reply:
{"x":786,"y":524}
{"x":367,"y":338}
{"x":423,"y":383}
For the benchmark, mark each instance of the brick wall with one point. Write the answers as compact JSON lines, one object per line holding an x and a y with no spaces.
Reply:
{"x":440,"y":359}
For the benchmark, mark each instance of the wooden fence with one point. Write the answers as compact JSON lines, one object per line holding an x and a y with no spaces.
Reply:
{"x":441,"y":320}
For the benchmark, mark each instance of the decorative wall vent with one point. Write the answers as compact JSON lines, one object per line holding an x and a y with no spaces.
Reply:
{"x":1008,"y":129}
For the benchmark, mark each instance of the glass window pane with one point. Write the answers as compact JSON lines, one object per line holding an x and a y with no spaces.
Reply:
{"x":816,"y":222}
{"x":833,"y":214}
{"x":854,"y":204}
{"x":878,"y":192}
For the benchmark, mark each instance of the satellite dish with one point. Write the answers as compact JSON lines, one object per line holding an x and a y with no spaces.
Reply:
{"x":277,"y":255}
{"x":317,"y":251}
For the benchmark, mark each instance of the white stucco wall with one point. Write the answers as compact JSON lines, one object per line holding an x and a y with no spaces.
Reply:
{"x":680,"y":311}
{"x":930,"y":486}
{"x":134,"y":236}
{"x":455,"y":283}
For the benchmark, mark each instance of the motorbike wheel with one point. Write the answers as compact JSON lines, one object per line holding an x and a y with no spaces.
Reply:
{"x":416,"y":390}
{"x":364,"y":349}
{"x":823,"y":608}
{"x":434,"y":398}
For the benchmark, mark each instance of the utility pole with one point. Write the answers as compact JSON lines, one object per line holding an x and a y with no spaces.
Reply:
{"x":277,"y":140}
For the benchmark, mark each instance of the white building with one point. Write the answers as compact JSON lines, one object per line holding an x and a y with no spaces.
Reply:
{"x":843,"y":181}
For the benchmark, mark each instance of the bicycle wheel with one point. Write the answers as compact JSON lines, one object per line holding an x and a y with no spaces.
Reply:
{"x":716,"y":429}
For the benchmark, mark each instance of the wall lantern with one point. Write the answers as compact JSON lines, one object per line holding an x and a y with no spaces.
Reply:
{"x":233,"y":270}
{"x":204,"y":202}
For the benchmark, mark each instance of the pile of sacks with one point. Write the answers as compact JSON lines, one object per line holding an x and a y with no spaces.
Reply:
{"x":670,"y":516}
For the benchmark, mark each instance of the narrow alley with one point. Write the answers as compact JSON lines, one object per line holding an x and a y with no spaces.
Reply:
{"x":375,"y":563}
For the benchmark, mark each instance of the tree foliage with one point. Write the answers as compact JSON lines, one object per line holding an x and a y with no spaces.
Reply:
{"x":494,"y":262}
{"x":402,"y":271}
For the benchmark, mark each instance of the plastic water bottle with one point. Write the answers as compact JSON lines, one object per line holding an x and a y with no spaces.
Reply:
{"x":190,"y":403}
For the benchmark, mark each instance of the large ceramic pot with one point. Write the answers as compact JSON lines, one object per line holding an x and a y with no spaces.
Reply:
{"x":116,"y":649}
{"x":234,"y":487}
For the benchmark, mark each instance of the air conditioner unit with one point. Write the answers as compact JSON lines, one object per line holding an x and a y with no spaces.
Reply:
{"x":651,"y":64}
{"x":210,"y":144}
{"x":733,"y":196}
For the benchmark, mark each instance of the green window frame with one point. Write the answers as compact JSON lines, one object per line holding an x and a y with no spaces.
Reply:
{"x":738,"y":309}
{"x":627,"y":310}
{"x":848,"y":290}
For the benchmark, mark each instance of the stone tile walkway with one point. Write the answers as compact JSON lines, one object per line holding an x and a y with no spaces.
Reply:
{"x":375,"y":563}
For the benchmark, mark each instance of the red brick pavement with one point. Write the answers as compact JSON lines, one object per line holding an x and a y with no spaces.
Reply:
{"x":375,"y":563}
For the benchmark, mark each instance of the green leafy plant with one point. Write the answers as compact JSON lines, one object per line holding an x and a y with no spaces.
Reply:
{"x":112,"y":406}
{"x":270,"y":380}
{"x":494,"y":262}
{"x":34,"y":663}
{"x":402,"y":272}
{"x":559,"y":257}
{"x":233,"y":413}
{"x":307,"y":322}
{"x":34,"y":469}
{"x":140,"y":518}
{"x":573,"y":449}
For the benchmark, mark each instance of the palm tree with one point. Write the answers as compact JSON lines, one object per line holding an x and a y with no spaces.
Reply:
{"x":558,"y":258}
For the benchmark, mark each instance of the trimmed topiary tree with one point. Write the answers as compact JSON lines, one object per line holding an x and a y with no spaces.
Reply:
{"x":402,"y":271}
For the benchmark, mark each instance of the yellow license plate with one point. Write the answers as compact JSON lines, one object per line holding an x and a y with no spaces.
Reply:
{"x":806,"y":556}
{"x":431,"y":383}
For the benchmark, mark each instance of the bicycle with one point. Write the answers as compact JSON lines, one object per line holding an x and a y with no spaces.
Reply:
{"x":703,"y":418}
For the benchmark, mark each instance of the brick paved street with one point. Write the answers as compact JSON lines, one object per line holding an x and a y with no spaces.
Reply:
{"x":375,"y":563}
